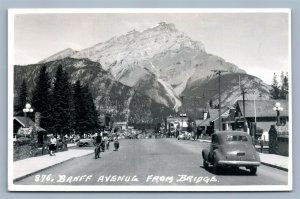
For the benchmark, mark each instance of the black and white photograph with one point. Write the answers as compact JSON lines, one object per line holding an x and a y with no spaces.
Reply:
{"x":149,"y":100}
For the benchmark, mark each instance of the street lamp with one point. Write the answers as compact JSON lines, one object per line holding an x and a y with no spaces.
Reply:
{"x":278,"y":108}
{"x":26,"y":110}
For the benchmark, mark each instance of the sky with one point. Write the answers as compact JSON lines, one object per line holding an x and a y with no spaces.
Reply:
{"x":255,"y":42}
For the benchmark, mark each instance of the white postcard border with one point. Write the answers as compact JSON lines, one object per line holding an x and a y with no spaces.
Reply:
{"x":75,"y":188}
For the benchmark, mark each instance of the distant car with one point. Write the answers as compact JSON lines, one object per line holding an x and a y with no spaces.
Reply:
{"x":86,"y":142}
{"x":59,"y":144}
{"x":231,"y":149}
{"x":181,"y":137}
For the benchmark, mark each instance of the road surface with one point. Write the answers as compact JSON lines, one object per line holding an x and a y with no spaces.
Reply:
{"x":150,"y":162}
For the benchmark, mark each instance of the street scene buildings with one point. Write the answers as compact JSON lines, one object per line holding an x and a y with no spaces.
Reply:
{"x":143,"y":101}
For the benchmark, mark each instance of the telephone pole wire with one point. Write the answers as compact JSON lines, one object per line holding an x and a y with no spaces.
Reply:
{"x":218,"y":72}
{"x":244,"y":109}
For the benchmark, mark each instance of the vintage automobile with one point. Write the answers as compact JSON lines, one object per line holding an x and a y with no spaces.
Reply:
{"x":231,"y":149}
{"x":181,"y":137}
{"x":86,"y":142}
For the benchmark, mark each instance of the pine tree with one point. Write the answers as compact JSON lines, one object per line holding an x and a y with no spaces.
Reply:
{"x":85,"y":113}
{"x":41,"y":97}
{"x":61,"y":104}
{"x":275,"y":91}
{"x":91,"y":112}
{"x":79,"y":109}
{"x":22,"y":99}
{"x":284,"y":90}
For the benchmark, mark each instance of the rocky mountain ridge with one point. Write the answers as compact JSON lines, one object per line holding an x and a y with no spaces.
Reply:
{"x":110,"y":96}
{"x":162,"y":64}
{"x":160,"y":61}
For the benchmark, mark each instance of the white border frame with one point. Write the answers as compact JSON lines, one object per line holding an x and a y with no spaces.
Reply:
{"x":75,"y":188}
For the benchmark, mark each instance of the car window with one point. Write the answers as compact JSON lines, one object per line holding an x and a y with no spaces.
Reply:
{"x":238,"y":138}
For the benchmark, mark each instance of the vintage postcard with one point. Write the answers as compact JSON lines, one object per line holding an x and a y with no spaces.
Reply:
{"x":149,"y":100}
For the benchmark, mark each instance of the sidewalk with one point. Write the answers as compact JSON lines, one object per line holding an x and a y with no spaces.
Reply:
{"x":272,"y":160}
{"x":29,"y":166}
{"x":276,"y":161}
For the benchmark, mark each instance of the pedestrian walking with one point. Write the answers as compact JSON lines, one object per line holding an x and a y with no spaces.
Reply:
{"x":52,"y":146}
{"x":106,"y":141}
{"x":116,"y":144}
{"x":97,"y":150}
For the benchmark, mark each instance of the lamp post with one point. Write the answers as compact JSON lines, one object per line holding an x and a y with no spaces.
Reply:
{"x":26,"y":110}
{"x":278,"y":108}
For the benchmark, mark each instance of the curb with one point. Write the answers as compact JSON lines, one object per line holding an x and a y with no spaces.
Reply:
{"x":29,"y":174}
{"x":275,"y":166}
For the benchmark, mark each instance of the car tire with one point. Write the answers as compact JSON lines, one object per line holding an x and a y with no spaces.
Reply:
{"x":216,"y":168}
{"x":205,"y":164}
{"x":253,"y":170}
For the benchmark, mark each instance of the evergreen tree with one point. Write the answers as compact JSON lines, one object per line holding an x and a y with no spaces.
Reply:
{"x":41,"y":96}
{"x":22,"y":99}
{"x":79,"y":110}
{"x":85,"y":113}
{"x":284,"y":91}
{"x":61,"y":104}
{"x":275,"y":91}
{"x":91,"y":112}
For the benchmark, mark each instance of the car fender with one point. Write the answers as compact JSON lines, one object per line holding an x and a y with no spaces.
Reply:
{"x":205,"y":154}
{"x":257,"y":156}
{"x":217,"y":155}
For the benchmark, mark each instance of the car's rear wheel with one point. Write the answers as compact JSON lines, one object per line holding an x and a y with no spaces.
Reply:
{"x":253,"y":170}
{"x":216,"y":168}
{"x":205,"y":164}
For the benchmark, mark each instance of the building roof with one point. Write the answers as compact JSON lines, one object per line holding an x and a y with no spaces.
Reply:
{"x":26,"y":120}
{"x":198,"y":122}
{"x":264,"y":108}
{"x":213,"y":115}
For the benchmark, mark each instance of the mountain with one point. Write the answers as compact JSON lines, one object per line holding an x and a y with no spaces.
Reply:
{"x":164,"y":64}
{"x":159,"y":61}
{"x":198,"y":93}
{"x":111,"y":96}
{"x":60,"y":55}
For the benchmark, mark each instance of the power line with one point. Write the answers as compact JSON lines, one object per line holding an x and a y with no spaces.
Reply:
{"x":244,"y":108}
{"x":218,"y":72}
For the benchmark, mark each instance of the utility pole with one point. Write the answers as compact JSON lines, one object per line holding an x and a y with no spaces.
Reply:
{"x":244,"y":109}
{"x":218,"y":72}
{"x":181,"y":111}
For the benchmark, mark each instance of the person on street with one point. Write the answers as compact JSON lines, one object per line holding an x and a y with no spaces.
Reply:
{"x":98,"y":141}
{"x":106,"y":141}
{"x":52,"y":146}
{"x":116,"y":143}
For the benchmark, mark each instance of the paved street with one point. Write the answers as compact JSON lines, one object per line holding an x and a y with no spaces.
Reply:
{"x":150,"y":162}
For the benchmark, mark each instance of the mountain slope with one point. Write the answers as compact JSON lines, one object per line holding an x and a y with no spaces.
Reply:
{"x":198,"y":93}
{"x":123,"y":102}
{"x":162,"y":53}
{"x":161,"y":62}
{"x":60,"y":55}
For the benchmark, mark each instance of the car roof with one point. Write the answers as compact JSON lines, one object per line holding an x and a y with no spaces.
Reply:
{"x":223,"y":134}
